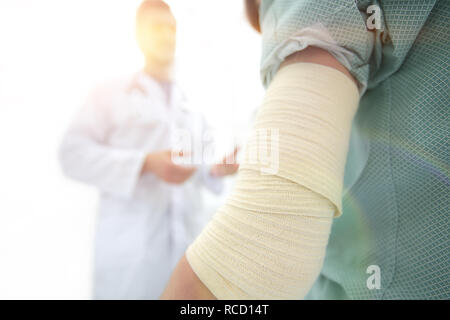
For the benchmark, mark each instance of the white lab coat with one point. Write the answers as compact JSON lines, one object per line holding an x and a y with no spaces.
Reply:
{"x":145,"y":224}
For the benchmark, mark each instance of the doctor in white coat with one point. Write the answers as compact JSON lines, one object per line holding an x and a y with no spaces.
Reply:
{"x":121,"y":142}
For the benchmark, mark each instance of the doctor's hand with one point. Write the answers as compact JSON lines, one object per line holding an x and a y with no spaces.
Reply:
{"x":228,"y":166}
{"x":160,"y":163}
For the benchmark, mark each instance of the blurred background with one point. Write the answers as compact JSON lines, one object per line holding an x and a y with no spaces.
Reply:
{"x":52,"y":52}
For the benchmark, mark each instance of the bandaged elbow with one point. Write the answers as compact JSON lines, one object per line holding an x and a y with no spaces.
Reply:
{"x":269,"y":239}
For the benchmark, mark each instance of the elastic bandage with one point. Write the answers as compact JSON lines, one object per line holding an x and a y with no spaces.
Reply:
{"x":268,"y":240}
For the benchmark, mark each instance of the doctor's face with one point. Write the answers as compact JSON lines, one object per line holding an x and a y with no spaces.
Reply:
{"x":156,"y":35}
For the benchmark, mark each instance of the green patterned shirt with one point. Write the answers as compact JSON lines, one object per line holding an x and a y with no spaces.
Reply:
{"x":397,"y":188}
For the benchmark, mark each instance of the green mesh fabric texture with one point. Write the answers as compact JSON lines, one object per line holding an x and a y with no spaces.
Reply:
{"x":396,"y":200}
{"x":280,"y":20}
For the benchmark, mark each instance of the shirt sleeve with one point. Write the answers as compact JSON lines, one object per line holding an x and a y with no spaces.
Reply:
{"x":85,"y":156}
{"x":370,"y":38}
{"x":339,"y":27}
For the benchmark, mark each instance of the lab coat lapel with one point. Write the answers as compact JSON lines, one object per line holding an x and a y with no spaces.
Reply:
{"x":154,"y":94}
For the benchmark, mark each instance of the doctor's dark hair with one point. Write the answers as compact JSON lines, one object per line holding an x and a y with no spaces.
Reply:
{"x":252,"y":12}
{"x":150,"y":5}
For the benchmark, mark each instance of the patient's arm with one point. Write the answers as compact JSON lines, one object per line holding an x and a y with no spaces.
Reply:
{"x":269,"y":239}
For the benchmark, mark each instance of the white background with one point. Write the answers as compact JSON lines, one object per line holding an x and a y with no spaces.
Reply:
{"x":51,"y":53}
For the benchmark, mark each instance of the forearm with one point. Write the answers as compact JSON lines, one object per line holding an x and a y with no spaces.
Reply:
{"x":185,"y":285}
{"x":226,"y":242}
{"x":246,"y":254}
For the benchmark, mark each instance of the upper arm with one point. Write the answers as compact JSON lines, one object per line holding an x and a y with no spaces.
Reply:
{"x":92,"y":120}
{"x":318,"y":56}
